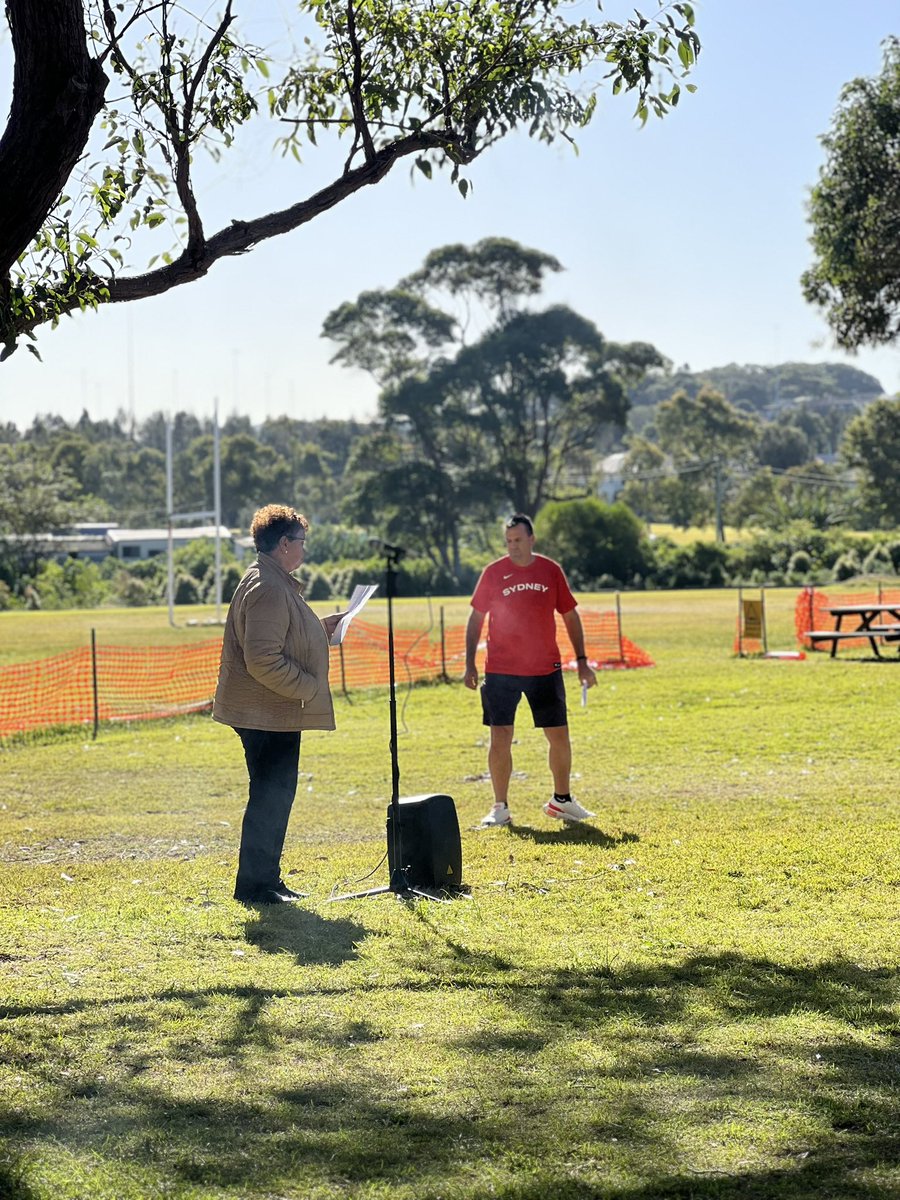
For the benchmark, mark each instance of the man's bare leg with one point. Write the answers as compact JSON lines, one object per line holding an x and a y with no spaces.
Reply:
{"x":559,"y":756}
{"x":500,"y":761}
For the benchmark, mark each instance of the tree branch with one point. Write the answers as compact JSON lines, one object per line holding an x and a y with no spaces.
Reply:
{"x":242,"y":236}
{"x":58,"y":90}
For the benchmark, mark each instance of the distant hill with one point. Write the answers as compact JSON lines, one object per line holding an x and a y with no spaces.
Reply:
{"x":766,"y":390}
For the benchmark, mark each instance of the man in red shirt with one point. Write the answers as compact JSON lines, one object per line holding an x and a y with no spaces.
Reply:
{"x":522,"y":593}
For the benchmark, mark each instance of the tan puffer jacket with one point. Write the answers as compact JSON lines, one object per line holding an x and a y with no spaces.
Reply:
{"x":274,"y":669}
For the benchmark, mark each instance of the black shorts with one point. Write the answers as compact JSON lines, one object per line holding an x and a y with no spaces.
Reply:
{"x":546,"y":694}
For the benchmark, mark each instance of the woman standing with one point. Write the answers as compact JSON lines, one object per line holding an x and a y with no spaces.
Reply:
{"x":273,"y":684}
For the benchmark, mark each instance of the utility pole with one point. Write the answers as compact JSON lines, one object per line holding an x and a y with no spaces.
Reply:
{"x":720,"y":527}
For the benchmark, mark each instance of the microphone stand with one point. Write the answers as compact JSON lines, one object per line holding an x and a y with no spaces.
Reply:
{"x":399,"y":883}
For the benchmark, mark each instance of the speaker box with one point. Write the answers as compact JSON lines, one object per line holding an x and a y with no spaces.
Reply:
{"x":429,"y":841}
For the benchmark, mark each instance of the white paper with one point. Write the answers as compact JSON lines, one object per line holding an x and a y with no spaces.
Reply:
{"x":358,"y":600}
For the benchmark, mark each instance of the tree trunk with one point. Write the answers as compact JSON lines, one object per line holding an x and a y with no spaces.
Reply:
{"x":58,"y":90}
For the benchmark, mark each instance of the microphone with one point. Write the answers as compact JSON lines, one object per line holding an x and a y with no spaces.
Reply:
{"x":389,"y":551}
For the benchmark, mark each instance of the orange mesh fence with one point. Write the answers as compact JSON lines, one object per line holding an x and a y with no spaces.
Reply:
{"x":364,"y":661}
{"x":603,"y":643}
{"x":156,"y":681}
{"x":51,"y":691}
{"x":811,"y":612}
{"x":140,"y":683}
{"x":132,"y":683}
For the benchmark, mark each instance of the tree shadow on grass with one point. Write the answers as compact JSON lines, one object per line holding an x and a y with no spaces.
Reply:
{"x":354,"y":1124}
{"x":12,"y":1179}
{"x":299,"y":931}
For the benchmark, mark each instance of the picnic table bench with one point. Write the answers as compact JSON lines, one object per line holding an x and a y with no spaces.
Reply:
{"x":866,"y":627}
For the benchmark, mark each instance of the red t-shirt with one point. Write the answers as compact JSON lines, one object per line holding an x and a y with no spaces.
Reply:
{"x":522,"y":603}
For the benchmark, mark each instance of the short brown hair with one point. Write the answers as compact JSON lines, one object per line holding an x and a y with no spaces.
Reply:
{"x":521,"y":519}
{"x":275,"y":521}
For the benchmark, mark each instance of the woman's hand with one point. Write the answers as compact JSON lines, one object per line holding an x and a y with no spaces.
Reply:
{"x":329,"y":623}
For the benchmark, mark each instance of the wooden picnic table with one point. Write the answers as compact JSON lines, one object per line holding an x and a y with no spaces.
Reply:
{"x":867,"y":615}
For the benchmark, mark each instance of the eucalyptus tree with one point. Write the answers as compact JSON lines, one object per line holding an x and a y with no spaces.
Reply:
{"x":491,"y":403}
{"x":704,"y":438}
{"x":855,"y":275}
{"x":871,"y":445}
{"x":114,"y":99}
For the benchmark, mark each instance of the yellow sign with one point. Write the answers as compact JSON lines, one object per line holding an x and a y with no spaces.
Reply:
{"x":753,"y":618}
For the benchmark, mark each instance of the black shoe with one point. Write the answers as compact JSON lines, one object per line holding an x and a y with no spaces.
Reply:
{"x":290,"y":893}
{"x":280,"y":894}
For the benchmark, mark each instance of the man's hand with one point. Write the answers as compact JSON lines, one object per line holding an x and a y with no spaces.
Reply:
{"x":473,"y":637}
{"x":585,"y":674}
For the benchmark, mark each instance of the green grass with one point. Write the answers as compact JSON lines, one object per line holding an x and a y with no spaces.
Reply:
{"x":696,"y":996}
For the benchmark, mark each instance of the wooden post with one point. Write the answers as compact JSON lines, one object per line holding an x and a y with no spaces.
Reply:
{"x":765,"y":633}
{"x":618,"y":627}
{"x":740,"y":622}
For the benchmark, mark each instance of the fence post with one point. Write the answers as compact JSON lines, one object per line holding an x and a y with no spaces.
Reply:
{"x":619,"y":626}
{"x":444,"y":678}
{"x":94,"y":681}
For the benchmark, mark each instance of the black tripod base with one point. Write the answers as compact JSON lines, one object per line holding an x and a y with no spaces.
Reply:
{"x":398,"y":886}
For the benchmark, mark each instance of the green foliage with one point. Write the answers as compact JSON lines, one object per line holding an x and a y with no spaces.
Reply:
{"x":783,"y":445}
{"x":854,"y":278}
{"x":703,"y":427}
{"x":759,"y":388}
{"x":186,"y":589}
{"x":592,"y":540}
{"x":818,"y":495}
{"x":198,"y":558}
{"x":878,"y":561}
{"x":847,"y":566}
{"x":34,"y":499}
{"x":71,"y":584}
{"x":872,"y":445}
{"x":697,"y":565}
{"x":388,"y":334}
{"x":704,"y":437}
{"x":330,"y":543}
{"x":232,"y":573}
{"x":132,"y":591}
{"x":800,"y":564}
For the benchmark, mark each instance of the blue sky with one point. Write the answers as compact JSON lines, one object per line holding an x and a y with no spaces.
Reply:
{"x":689,"y":234}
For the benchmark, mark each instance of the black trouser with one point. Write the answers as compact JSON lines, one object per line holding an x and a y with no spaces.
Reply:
{"x":273,"y":760}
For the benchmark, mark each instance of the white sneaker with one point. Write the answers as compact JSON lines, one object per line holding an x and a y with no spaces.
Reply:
{"x":567,"y":810}
{"x":499,"y":815}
